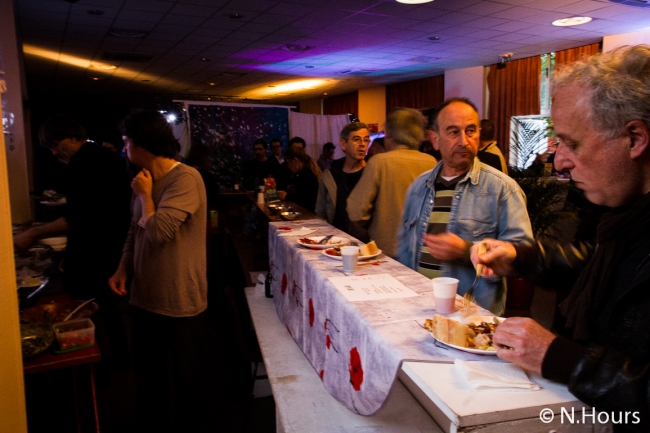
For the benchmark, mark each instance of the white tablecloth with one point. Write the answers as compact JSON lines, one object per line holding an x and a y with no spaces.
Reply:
{"x":355,"y":347}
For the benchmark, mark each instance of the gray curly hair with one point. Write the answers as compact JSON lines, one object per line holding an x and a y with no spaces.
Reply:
{"x":616,"y":85}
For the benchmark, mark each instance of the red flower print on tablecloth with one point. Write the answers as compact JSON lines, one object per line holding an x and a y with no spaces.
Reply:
{"x":356,"y":371}
{"x":284,"y":283}
{"x":312,"y":314}
{"x":321,"y":374}
{"x":328,"y":341}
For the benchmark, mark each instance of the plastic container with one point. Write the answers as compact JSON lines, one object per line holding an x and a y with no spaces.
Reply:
{"x":75,"y":334}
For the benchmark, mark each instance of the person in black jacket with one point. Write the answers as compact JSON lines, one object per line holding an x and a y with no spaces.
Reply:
{"x":305,"y":187}
{"x":601,"y":113}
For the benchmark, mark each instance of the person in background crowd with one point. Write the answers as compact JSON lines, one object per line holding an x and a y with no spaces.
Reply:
{"x":459,"y":202}
{"x":305,"y":187}
{"x":377,"y":146}
{"x":165,"y":255}
{"x":601,"y":113}
{"x":326,"y":158}
{"x":298,"y":143}
{"x":488,"y":148}
{"x":276,"y":159}
{"x":96,"y":221}
{"x":200,"y":158}
{"x":377,"y":201}
{"x":342,"y":177}
{"x":114,"y":143}
{"x":257,"y":169}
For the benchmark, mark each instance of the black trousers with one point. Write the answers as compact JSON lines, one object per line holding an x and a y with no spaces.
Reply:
{"x":168,"y":361}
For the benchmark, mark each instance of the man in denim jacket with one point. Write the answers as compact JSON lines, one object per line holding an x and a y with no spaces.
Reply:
{"x":459,"y":202}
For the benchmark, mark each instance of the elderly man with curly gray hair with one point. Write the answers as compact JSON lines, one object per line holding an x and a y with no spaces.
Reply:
{"x":601,"y":113}
{"x":377,"y":201}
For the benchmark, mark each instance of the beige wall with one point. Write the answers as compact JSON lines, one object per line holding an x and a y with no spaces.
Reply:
{"x":311,"y":106}
{"x":466,"y":83}
{"x":372,"y":105}
{"x":635,"y":38}
{"x":15,"y":144}
{"x":12,"y":395}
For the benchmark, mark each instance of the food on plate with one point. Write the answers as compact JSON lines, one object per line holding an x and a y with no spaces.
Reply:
{"x":35,"y":338}
{"x":475,"y":336}
{"x":368,"y":249}
{"x":308,"y":241}
{"x":336,"y":251}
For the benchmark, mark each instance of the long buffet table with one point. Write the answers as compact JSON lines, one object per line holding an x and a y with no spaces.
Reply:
{"x":358,"y":349}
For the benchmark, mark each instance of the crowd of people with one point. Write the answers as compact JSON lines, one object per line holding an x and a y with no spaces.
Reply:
{"x":429,"y":213}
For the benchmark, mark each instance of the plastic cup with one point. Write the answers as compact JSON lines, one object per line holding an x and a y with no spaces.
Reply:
{"x":350,"y":256}
{"x":444,"y":292}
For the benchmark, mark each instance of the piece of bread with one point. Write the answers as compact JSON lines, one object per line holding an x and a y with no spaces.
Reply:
{"x":368,"y":249}
{"x":451,"y":332}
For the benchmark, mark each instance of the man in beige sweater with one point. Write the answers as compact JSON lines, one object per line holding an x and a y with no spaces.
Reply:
{"x":376,"y":202}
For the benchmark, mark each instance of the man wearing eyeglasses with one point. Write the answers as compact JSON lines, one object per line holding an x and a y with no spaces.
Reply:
{"x":341,"y":178}
{"x":376,"y":202}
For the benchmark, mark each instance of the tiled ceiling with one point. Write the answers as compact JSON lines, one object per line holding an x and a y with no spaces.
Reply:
{"x":238,"y":49}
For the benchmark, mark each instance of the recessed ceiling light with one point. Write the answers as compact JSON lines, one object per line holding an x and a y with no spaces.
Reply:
{"x":434,"y":38}
{"x":102,"y":66}
{"x":235,"y":16}
{"x":95,"y":12}
{"x":127,"y":33}
{"x":211,"y":84}
{"x":295,"y":47}
{"x":205,"y":59}
{"x":414,"y":2}
{"x":573,"y":21}
{"x":96,"y":78}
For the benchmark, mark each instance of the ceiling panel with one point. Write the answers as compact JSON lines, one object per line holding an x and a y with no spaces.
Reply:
{"x":386,"y":37}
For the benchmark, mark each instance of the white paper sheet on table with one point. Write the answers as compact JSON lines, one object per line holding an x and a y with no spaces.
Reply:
{"x":371,"y":288}
{"x":303,"y":231}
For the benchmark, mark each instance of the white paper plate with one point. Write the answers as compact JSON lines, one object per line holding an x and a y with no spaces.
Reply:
{"x":467,"y":320}
{"x":335,"y":241}
{"x":371,"y":256}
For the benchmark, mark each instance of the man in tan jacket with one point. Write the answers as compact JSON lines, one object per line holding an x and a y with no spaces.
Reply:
{"x":377,"y":200}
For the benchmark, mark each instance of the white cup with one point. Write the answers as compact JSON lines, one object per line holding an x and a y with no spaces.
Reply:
{"x":260,"y":197}
{"x":444,"y":292}
{"x":350,"y":256}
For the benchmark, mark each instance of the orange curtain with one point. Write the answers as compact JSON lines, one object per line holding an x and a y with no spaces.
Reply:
{"x":573,"y":54}
{"x":424,"y":93}
{"x":342,"y":104}
{"x":514,"y":91}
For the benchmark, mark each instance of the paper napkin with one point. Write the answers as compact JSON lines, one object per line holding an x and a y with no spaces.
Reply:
{"x":495,"y":376}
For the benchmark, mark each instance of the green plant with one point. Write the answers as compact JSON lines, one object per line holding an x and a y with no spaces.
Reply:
{"x":545,"y":198}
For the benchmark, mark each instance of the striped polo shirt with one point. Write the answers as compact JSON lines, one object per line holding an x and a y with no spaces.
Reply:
{"x":438,"y":220}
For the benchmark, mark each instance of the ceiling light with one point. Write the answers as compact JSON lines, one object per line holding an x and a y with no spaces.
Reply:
{"x":414,"y":2}
{"x":295,"y":47}
{"x":211,"y":84}
{"x":127,"y":33}
{"x":235,"y":16}
{"x":95,"y":12}
{"x":573,"y":21}
{"x":95,"y":78}
{"x":102,"y":66}
{"x":205,"y":59}
{"x":434,"y":38}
